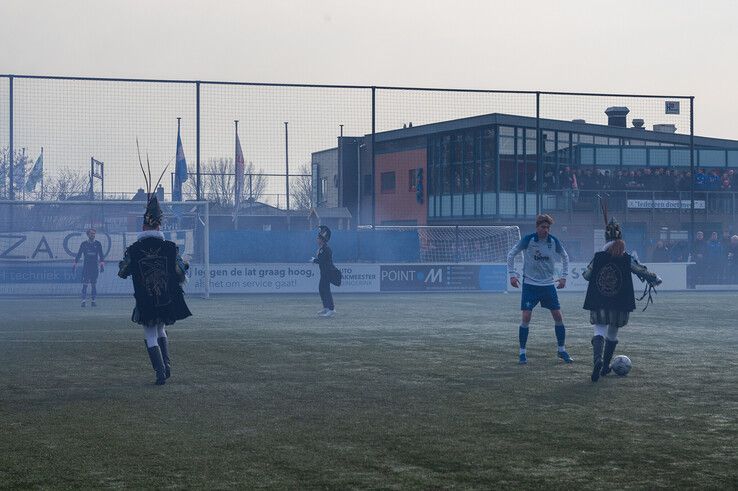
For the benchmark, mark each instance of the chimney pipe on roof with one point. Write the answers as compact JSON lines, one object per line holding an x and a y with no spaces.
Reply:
{"x":638,"y":124}
{"x":616,"y":116}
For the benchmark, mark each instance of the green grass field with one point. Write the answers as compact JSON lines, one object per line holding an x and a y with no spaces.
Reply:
{"x":396,"y":392}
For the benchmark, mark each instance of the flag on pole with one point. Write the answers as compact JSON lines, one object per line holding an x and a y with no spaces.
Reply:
{"x":36,"y":173}
{"x":180,"y":169}
{"x":239,"y":175}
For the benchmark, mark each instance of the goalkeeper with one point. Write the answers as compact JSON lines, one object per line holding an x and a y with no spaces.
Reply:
{"x":539,"y":251}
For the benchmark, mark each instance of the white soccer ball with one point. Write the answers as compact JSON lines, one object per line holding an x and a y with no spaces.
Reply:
{"x":621,"y":365}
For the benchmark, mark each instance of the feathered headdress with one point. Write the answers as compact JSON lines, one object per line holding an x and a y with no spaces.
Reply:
{"x":153,"y":215}
{"x":612,"y":227}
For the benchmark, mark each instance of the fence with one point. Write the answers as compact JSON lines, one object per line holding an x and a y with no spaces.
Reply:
{"x":482,"y":148}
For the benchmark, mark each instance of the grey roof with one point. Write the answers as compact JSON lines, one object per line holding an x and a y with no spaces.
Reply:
{"x":340,"y":212}
{"x":256,"y":209}
{"x":551,"y":124}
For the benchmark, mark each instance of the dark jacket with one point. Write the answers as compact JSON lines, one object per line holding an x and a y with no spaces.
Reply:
{"x":157,"y":271}
{"x":324,"y":260}
{"x":660,"y":255}
{"x":699,"y":249}
{"x":611,"y":284}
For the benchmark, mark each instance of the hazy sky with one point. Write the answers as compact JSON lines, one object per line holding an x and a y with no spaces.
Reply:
{"x":671,"y":47}
{"x":653,"y":47}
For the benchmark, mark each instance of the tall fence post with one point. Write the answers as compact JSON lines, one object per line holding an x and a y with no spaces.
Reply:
{"x":198,"y":191}
{"x":206,"y":246}
{"x":691,"y":171}
{"x":11,"y":155}
{"x":539,"y":147}
{"x":374,"y":164}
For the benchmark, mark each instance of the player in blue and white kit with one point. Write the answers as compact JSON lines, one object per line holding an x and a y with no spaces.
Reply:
{"x":539,"y":251}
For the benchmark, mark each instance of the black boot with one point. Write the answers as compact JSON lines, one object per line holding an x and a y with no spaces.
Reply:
{"x":164,"y":347}
{"x":597,"y":343}
{"x":158,"y":363}
{"x":609,"y":350}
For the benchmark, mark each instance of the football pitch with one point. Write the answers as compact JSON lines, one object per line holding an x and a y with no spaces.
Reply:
{"x":398,"y":391}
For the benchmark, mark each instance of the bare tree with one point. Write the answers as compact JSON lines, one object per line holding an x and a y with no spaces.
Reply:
{"x":67,"y":184}
{"x":301,"y":189}
{"x":219,"y":182}
{"x":254,"y":183}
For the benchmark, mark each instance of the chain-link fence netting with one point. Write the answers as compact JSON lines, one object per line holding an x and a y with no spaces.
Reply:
{"x":277,"y":158}
{"x":281,"y":131}
{"x":71,"y":124}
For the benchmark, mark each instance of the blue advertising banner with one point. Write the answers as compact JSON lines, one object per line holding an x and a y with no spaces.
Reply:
{"x":442,"y":277}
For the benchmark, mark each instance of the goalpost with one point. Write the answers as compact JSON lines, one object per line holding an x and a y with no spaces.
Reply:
{"x":462,"y":243}
{"x":40,"y":239}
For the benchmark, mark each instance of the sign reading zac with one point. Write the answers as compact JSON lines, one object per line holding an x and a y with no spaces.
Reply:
{"x":63,"y":246}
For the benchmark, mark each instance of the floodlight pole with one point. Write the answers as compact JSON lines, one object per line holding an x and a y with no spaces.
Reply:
{"x":287,"y":165}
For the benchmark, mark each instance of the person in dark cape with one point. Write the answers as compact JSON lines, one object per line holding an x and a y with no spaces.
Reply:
{"x":158,"y":272}
{"x":610,"y":296}
{"x":324,"y":260}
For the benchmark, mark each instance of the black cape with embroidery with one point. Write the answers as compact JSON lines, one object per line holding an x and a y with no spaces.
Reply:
{"x":611,"y":284}
{"x":154,"y":264}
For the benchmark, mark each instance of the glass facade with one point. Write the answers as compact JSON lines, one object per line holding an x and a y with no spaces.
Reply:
{"x":491,"y":171}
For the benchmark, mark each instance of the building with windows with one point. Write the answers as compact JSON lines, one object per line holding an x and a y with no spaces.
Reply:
{"x":484,"y":170}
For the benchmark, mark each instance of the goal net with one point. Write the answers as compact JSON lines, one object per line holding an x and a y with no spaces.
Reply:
{"x":40,"y":240}
{"x":462,"y":244}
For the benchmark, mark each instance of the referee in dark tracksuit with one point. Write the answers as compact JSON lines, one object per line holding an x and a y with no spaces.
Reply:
{"x":324,"y":260}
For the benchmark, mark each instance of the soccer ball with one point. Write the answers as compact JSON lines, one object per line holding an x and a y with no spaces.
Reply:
{"x":621,"y":365}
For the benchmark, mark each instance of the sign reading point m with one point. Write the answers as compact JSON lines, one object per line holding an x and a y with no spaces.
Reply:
{"x":442,"y":277}
{"x":435,"y":275}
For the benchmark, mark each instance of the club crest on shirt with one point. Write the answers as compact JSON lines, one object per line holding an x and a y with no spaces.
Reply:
{"x":540,"y":257}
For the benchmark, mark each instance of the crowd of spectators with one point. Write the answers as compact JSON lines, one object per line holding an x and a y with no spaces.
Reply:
{"x":716,"y":258}
{"x":582,"y":185}
{"x":661,"y":179}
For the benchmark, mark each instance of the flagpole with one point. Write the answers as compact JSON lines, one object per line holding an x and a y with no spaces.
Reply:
{"x":42,"y":173}
{"x":236,"y":197}
{"x":25,"y":173}
{"x":177,"y":181}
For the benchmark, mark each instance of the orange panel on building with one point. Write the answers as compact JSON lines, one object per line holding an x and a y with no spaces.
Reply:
{"x":400,"y":205}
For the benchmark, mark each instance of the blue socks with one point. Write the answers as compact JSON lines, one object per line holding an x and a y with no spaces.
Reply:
{"x":560,"y":336}
{"x":523,"y":336}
